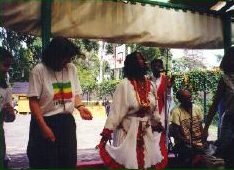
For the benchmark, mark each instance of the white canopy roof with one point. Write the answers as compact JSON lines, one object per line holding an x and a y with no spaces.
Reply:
{"x":118,"y":22}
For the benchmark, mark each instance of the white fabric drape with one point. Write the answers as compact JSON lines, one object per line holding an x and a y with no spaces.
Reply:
{"x":119,"y":22}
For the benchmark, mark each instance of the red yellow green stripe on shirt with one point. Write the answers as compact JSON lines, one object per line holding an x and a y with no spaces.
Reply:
{"x":62,"y":90}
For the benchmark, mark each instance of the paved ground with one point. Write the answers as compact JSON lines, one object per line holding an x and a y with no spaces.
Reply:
{"x":87,"y":135}
{"x":20,"y":160}
{"x":17,"y":138}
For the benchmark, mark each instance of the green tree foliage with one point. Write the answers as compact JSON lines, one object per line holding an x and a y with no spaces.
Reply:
{"x":22,"y":65}
{"x":108,"y":87}
{"x":109,"y":49}
{"x":152,"y":52}
{"x":186,"y":64}
{"x":87,"y":78}
{"x":87,"y":45}
{"x":198,"y":80}
{"x":202,"y":83}
{"x":27,"y":51}
{"x":88,"y":68}
{"x":24,"y":57}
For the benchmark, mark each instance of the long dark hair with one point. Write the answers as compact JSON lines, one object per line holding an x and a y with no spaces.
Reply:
{"x":4,"y":55}
{"x":132,"y":70}
{"x":58,"y":50}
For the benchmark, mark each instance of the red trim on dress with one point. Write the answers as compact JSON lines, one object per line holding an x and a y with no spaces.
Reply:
{"x":142,"y":91}
{"x":161,"y":92}
{"x":161,"y":103}
{"x":164,"y":152}
{"x":140,"y":147}
{"x":107,"y":159}
{"x":142,"y":94}
{"x":142,"y":97}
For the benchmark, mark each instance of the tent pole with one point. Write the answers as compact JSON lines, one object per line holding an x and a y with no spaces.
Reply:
{"x":166,"y":102}
{"x":45,"y":22}
{"x":227,"y":34}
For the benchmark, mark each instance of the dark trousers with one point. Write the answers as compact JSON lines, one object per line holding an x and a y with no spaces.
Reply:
{"x":2,"y":144}
{"x":187,"y":155}
{"x":62,"y":153}
{"x":2,"y":148}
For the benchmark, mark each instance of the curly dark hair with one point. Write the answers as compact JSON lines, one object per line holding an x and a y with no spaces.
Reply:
{"x":58,"y":50}
{"x":132,"y":68}
{"x":156,"y":60}
{"x":4,"y":54}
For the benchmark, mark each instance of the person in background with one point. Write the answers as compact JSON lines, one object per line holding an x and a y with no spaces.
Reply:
{"x":163,"y":85}
{"x":133,"y":118}
{"x":6,"y":106}
{"x":107,"y":107}
{"x":186,"y":128}
{"x":54,"y":92}
{"x":225,"y":92}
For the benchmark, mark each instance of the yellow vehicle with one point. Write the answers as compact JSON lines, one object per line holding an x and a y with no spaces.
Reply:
{"x":23,"y":105}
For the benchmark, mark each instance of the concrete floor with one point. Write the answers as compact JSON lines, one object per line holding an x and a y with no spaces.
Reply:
{"x":17,"y":137}
{"x":87,"y":135}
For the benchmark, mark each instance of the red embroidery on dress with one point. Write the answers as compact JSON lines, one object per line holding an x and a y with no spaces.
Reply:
{"x":142,"y":94}
{"x":142,"y":91}
{"x":161,"y":92}
{"x":161,"y":103}
{"x":107,"y":159}
{"x":140,"y":147}
{"x":164,"y":152}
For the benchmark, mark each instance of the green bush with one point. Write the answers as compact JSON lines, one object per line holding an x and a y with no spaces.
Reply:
{"x":202,"y":84}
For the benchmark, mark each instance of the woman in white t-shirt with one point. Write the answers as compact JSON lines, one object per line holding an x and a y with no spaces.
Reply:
{"x":6,"y":108}
{"x":54,"y":92}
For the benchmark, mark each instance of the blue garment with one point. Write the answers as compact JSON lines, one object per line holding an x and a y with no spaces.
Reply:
{"x":220,"y":111}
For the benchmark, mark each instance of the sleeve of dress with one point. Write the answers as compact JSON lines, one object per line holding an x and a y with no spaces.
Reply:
{"x":119,"y":107}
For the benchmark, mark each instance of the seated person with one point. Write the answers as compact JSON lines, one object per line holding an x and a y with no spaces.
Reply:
{"x":187,"y":132}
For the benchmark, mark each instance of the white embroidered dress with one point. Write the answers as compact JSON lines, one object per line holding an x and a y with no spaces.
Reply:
{"x":124,"y":147}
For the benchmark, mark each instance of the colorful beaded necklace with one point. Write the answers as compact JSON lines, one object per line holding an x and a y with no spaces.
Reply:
{"x":142,"y":91}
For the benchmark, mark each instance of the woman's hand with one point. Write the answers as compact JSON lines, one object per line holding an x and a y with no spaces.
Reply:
{"x":144,"y":110}
{"x":85,"y":113}
{"x":8,"y":113}
{"x":106,"y":136}
{"x":47,"y":133}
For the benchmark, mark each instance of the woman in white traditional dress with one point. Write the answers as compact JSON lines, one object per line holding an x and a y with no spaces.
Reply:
{"x":133,"y":118}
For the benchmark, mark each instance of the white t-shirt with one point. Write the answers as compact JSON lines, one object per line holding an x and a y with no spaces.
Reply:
{"x":52,"y":88}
